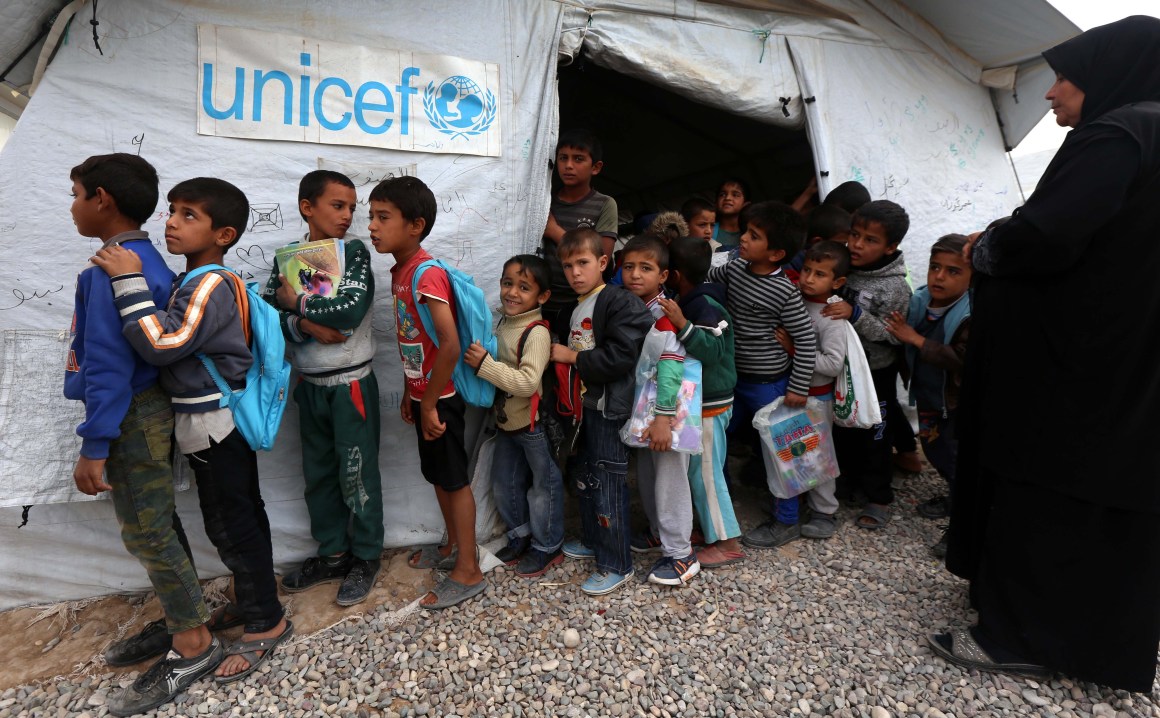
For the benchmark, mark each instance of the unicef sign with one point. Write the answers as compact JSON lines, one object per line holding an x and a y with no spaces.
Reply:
{"x":258,"y":85}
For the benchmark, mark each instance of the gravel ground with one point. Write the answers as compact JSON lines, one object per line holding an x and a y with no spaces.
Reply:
{"x":833,"y":628}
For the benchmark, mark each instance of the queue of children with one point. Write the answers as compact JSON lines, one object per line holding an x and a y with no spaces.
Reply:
{"x":766,"y":324}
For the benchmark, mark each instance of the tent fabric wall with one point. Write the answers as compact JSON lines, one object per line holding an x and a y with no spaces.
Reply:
{"x":140,"y":96}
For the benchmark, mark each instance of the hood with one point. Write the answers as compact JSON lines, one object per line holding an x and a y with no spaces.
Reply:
{"x":1114,"y":64}
{"x":705,"y":289}
{"x":896,"y":267}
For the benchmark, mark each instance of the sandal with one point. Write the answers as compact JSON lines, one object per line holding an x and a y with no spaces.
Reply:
{"x":714,"y":557}
{"x":218,"y":620}
{"x":249,"y":651}
{"x":874,"y":517}
{"x":428,"y":557}
{"x":451,"y":592}
{"x":959,"y":647}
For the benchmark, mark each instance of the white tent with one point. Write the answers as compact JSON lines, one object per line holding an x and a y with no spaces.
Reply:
{"x":917,"y":99}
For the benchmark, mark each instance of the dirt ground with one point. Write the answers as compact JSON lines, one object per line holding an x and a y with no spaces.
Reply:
{"x":42,"y":642}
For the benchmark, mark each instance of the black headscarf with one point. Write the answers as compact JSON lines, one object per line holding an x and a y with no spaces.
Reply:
{"x":1113,"y":64}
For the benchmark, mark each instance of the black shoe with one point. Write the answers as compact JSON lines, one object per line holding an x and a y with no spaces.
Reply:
{"x":938,"y":507}
{"x":358,"y":582}
{"x":316,"y":570}
{"x":772,"y":534}
{"x":939,"y":550}
{"x":165,"y":679}
{"x":510,"y":554}
{"x":536,"y":563}
{"x":152,"y":641}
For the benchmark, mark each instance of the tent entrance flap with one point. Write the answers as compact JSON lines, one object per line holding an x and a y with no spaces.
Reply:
{"x":661,"y":149}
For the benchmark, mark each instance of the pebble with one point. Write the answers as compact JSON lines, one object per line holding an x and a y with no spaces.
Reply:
{"x":571,"y":638}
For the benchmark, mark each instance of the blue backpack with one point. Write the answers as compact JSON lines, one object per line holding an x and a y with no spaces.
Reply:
{"x":473,"y":324}
{"x":257,"y":407}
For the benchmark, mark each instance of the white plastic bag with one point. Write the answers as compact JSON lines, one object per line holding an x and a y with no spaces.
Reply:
{"x":686,"y":424}
{"x":798,"y":446}
{"x":855,"y":401}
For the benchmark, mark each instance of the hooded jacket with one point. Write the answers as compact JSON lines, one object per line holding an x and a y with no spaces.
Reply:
{"x":879,"y":292}
{"x":620,"y":321}
{"x":708,"y":337}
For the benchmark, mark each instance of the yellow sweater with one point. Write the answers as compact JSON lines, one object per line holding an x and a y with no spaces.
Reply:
{"x":517,"y":381}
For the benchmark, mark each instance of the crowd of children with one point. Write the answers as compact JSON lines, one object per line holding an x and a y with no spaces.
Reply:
{"x":754,"y":292}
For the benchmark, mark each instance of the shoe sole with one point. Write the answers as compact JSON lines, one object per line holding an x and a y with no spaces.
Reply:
{"x":578,"y":556}
{"x":651,"y":549}
{"x":300,"y":589}
{"x":355,"y":602}
{"x":680,"y":581}
{"x":752,"y":544}
{"x":559,"y":559}
{"x":604,"y":591}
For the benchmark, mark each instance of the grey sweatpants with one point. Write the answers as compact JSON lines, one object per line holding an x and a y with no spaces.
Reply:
{"x":821,"y":498}
{"x":663,"y":479}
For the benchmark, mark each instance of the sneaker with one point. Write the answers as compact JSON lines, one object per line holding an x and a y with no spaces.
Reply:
{"x":316,"y":570}
{"x":936,"y":508}
{"x":510,"y":554}
{"x":164,"y":680}
{"x":153,"y":640}
{"x":772,"y":534}
{"x":939,"y":550}
{"x":820,"y":526}
{"x":601,"y":583}
{"x":577,"y":549}
{"x":358,"y":582}
{"x":536,"y":563}
{"x":645,"y":542}
{"x":674,"y":571}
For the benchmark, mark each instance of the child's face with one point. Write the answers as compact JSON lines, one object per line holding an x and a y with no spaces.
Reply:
{"x":189,"y":231}
{"x":584,"y":270}
{"x":730,"y":199}
{"x":754,"y":247}
{"x":947,"y":278}
{"x":84,"y":211}
{"x":702,"y":224}
{"x":330,"y":215}
{"x":642,"y":275}
{"x":817,"y":280}
{"x":868,"y":243}
{"x":575,"y":166}
{"x":390,"y":231}
{"x":518,"y":292}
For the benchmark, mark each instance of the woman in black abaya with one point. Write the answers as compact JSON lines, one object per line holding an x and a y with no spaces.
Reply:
{"x":1056,"y":510}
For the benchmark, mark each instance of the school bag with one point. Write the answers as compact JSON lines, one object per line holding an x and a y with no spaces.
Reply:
{"x":534,"y":401}
{"x":259,"y":405}
{"x":473,"y":324}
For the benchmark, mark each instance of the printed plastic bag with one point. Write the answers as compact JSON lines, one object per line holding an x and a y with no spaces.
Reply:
{"x":687,"y":424}
{"x":798,"y":446}
{"x":855,"y":401}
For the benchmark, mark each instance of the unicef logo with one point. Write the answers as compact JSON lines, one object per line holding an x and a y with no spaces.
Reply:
{"x":458,"y":107}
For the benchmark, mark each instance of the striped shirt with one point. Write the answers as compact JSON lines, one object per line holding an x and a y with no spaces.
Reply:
{"x":759,"y":305}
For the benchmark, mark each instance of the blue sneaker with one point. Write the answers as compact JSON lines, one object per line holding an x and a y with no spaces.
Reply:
{"x":577,"y":549}
{"x":601,"y":583}
{"x":674,"y":571}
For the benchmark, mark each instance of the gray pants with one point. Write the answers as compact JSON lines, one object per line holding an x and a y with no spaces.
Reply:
{"x":663,"y":479}
{"x":821,"y":498}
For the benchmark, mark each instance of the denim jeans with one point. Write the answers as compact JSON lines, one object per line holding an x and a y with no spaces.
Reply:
{"x":528,"y":488}
{"x":236,"y":523}
{"x":602,"y":483}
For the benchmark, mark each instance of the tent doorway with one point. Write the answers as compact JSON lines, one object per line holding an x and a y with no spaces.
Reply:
{"x":661,"y":149}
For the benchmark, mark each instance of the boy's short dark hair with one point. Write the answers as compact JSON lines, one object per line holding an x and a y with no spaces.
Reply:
{"x":949,"y":244}
{"x":225,"y":204}
{"x":827,"y":221}
{"x":647,"y":244}
{"x":313,"y":185}
{"x":412,"y":197}
{"x":695,"y":206}
{"x":890,"y":215}
{"x":581,"y":139}
{"x":128,"y":179}
{"x":850,"y":196}
{"x":534,"y":267}
{"x":581,"y":239}
{"x":737,"y":181}
{"x":783,"y":226}
{"x":828,"y":250}
{"x":691,"y":256}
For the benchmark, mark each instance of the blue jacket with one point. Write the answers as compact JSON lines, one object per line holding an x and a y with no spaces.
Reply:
{"x":946,"y":355}
{"x":103,"y":371}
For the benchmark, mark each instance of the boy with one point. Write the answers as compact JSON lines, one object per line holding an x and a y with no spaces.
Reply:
{"x":662,"y":474}
{"x":579,"y":158}
{"x":707,"y":335}
{"x":127,"y":431}
{"x":935,"y":333}
{"x":824,"y":222}
{"x":732,"y":196}
{"x":401,"y":216}
{"x":206,"y":217}
{"x":522,"y":450}
{"x":338,"y":400}
{"x":823,"y":272}
{"x":701,"y":215}
{"x":606,"y":333}
{"x":760,"y":298}
{"x":875,"y":290}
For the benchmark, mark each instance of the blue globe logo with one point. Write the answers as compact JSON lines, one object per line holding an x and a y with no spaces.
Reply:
{"x":459,"y":107}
